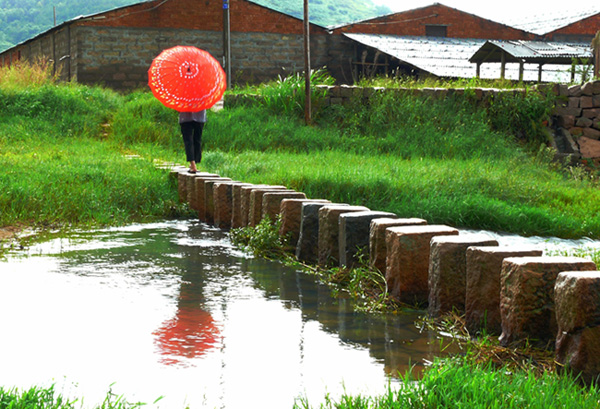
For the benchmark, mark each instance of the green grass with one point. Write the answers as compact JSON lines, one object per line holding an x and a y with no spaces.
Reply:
{"x":451,"y":162}
{"x":456,"y":383}
{"x":63,"y":151}
{"x":47,"y":398}
{"x":61,"y":167}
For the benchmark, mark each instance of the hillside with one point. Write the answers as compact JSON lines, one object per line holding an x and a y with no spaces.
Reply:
{"x":23,"y":19}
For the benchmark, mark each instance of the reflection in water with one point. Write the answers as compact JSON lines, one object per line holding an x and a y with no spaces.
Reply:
{"x":172,"y":309}
{"x":189,"y":334}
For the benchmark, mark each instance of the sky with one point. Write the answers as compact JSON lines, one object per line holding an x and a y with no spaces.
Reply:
{"x":494,"y":10}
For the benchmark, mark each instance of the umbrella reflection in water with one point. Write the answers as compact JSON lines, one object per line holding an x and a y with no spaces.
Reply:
{"x":190,"y":333}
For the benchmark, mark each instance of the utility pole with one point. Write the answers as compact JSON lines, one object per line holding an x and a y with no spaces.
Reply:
{"x":596,"y":50}
{"x":54,"y":11}
{"x":227,"y":41}
{"x":307,"y":103}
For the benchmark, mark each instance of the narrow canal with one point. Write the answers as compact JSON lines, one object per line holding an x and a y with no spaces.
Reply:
{"x":173,"y":310}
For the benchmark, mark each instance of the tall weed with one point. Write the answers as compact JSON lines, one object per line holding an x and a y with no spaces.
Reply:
{"x":287,"y":95}
{"x":26,"y":75}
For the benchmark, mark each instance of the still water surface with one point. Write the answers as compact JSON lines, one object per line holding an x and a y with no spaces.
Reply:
{"x":173,"y":310}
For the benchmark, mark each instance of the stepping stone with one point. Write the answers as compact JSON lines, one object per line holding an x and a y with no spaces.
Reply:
{"x":577,"y":301}
{"x":527,"y":297}
{"x":329,"y":232}
{"x":482,"y":301}
{"x":448,"y":271}
{"x":377,"y":247}
{"x":354,"y":235}
{"x":407,"y":267}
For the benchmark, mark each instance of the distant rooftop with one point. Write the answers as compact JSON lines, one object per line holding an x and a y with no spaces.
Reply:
{"x":449,"y":57}
{"x":544,"y":23}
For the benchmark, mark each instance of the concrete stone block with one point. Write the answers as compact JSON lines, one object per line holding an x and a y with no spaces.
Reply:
{"x":577,"y":300}
{"x":182,"y":186}
{"x":291,"y":219}
{"x":245,"y":201}
{"x":236,"y":211}
{"x":198,"y":192}
{"x":192,"y":196}
{"x":407,"y":264}
{"x":223,"y":199}
{"x":527,"y":297}
{"x":377,"y":246}
{"x":448,"y":271}
{"x":256,"y":203}
{"x":482,"y":300}
{"x":329,"y":232}
{"x":271,"y":202}
{"x":209,"y":201}
{"x":354,"y":235}
{"x":307,"y":248}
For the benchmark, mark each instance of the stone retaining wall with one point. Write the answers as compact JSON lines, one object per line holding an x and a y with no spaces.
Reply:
{"x":530,"y":297}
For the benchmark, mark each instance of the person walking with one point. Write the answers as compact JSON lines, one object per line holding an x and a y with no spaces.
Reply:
{"x":192,"y":125}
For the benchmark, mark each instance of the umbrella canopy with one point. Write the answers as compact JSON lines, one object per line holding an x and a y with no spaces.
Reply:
{"x":186,"y":79}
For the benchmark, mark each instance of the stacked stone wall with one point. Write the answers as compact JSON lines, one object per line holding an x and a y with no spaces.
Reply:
{"x":577,"y":118}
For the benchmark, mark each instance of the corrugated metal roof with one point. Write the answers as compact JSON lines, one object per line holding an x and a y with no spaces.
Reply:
{"x":449,"y":57}
{"x":532,"y":51}
{"x":544,"y":23}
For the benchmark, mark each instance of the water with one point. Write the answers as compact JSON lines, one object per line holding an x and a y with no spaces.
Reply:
{"x":173,"y":310}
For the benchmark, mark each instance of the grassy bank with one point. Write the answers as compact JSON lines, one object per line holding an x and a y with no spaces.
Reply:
{"x":457,"y":383}
{"x":60,"y":166}
{"x":66,"y":153}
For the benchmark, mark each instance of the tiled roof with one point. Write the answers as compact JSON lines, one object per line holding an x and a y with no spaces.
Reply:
{"x":533,"y":51}
{"x":544,"y":23}
{"x":449,"y":57}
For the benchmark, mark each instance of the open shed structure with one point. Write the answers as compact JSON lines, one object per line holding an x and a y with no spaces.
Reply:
{"x":530,"y":52}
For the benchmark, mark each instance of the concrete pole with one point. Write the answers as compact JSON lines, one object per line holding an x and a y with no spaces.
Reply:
{"x":307,"y":103}
{"x":596,"y":49}
{"x":227,"y":41}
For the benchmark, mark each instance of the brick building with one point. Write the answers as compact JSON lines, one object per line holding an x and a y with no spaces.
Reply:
{"x":116,"y":47}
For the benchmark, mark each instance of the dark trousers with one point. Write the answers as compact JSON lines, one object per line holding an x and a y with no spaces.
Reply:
{"x":192,"y":140}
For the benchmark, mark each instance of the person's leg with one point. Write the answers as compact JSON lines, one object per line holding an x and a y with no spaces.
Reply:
{"x":187,"y":132}
{"x":198,"y":127}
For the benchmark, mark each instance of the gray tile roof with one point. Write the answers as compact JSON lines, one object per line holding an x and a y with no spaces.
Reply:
{"x":449,"y":57}
{"x":533,"y":51}
{"x":544,"y":23}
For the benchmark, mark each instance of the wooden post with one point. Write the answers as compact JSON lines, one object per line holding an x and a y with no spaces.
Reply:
{"x":540,"y":72}
{"x":503,"y":65}
{"x":521,"y":71}
{"x":307,"y":103}
{"x":478,"y":70}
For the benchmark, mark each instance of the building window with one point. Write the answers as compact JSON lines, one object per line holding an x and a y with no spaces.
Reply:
{"x":436,"y":31}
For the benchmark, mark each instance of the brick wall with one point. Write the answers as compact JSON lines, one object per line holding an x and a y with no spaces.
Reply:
{"x":202,"y":15}
{"x":459,"y":24}
{"x":587,"y":27}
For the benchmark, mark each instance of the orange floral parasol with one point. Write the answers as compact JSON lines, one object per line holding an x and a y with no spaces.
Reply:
{"x":186,"y":79}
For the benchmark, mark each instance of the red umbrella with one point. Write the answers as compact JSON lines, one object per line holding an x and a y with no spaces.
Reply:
{"x":186,"y":79}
